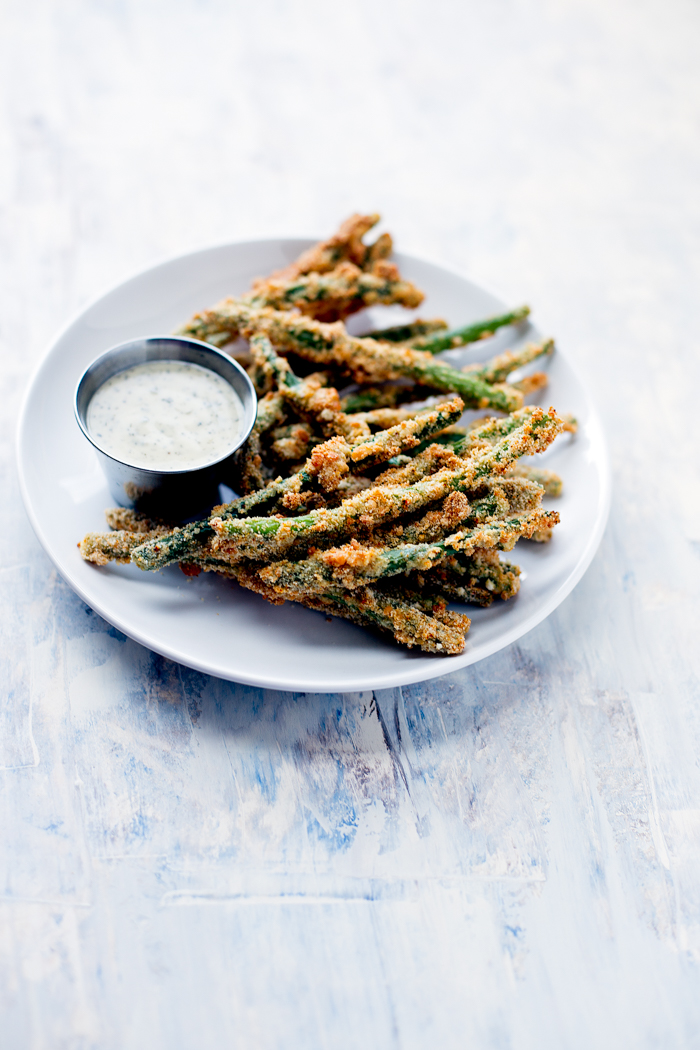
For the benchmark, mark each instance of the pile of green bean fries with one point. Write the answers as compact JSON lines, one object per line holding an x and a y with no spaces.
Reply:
{"x":371,"y":504}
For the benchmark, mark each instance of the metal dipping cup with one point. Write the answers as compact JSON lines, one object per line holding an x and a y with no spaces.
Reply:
{"x":173,"y":495}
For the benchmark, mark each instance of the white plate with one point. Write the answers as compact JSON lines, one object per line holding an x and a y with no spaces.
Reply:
{"x":212,"y":624}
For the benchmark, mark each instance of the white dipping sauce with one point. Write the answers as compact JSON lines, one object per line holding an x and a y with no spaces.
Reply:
{"x":165,"y":415}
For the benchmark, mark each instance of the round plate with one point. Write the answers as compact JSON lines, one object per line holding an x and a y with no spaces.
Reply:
{"x":213,"y":625}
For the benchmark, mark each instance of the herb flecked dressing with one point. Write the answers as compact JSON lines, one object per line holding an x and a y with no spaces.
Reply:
{"x":165,"y":415}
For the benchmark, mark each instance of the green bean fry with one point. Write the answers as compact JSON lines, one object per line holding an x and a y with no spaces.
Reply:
{"x":363,"y":492}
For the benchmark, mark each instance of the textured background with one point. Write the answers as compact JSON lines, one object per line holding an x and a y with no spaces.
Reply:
{"x":508,"y":857}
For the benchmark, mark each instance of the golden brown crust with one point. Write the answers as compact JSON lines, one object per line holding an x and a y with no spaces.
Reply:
{"x":103,"y":547}
{"x":346,"y":243}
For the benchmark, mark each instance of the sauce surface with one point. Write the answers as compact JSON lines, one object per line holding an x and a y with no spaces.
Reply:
{"x":165,"y":415}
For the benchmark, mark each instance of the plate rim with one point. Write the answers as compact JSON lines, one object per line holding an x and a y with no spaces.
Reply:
{"x":268,"y":680}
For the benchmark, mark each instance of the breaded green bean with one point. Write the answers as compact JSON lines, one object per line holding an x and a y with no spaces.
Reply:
{"x":406,"y":434}
{"x":470,"y":333}
{"x":374,"y":253}
{"x":492,"y":429}
{"x":276,"y":369}
{"x":368,"y":398}
{"x":346,"y":243}
{"x":103,"y":547}
{"x":409,"y":624}
{"x":442,"y":633}
{"x":291,"y":442}
{"x":502,"y":535}
{"x":355,"y":564}
{"x":550,"y":482}
{"x":499,"y":498}
{"x":499,"y":368}
{"x":310,"y":397}
{"x":364,"y":359}
{"x":427,"y":599}
{"x":338,"y":293}
{"x":430,"y":583}
{"x":477,"y":578}
{"x":522,"y":494}
{"x":484,"y":568}
{"x":450,"y":438}
{"x":404,"y":333}
{"x":271,"y":412}
{"x":541,"y":535}
{"x":126,"y":520}
{"x":426,"y":461}
{"x":321,"y":406}
{"x":383,"y":418}
{"x":529,"y":384}
{"x":413,"y":621}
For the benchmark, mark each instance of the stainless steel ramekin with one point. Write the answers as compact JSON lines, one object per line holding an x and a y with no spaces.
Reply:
{"x":173,"y":495}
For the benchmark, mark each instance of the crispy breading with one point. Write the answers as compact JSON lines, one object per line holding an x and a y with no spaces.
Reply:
{"x":335,"y":295}
{"x":346,"y":243}
{"x":103,"y":547}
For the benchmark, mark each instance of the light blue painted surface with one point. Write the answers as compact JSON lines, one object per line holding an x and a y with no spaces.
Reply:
{"x":507,"y":857}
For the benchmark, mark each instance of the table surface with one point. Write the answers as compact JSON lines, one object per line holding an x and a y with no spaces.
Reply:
{"x":505,"y":857}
